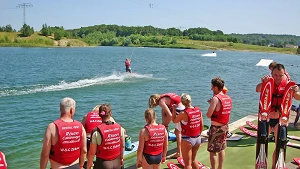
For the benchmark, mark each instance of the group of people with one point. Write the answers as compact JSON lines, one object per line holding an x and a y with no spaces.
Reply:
{"x":68,"y":143}
{"x":188,"y":120}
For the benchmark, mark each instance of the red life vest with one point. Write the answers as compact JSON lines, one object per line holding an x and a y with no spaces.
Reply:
{"x":194,"y":127}
{"x":277,"y":95}
{"x":288,"y":76}
{"x":175,"y":99}
{"x":223,"y":115}
{"x":3,"y":164}
{"x":154,"y":145}
{"x":127,"y":63}
{"x":92,"y":121}
{"x":67,"y":148}
{"x":110,"y":147}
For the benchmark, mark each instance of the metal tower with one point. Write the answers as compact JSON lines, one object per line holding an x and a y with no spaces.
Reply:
{"x":24,"y":6}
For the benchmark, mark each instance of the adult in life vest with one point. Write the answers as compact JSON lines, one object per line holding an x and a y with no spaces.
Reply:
{"x":166,"y":101}
{"x":278,"y":74}
{"x":219,"y":114}
{"x":153,"y":143}
{"x":107,"y":142}
{"x":64,"y":141}
{"x":127,"y":65}
{"x":3,"y":164}
{"x":191,"y":122}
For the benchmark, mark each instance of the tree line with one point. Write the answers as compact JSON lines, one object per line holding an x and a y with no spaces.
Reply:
{"x":108,"y":35}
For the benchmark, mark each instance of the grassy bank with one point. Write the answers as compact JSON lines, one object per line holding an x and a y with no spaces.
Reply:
{"x":13,"y":39}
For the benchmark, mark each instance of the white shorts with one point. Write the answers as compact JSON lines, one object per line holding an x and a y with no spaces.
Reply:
{"x":178,"y":126}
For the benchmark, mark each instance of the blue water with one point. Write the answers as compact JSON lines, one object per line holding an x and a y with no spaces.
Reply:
{"x":34,"y":80}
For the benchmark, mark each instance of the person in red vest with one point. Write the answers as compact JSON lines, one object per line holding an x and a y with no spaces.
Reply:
{"x":219,"y":113}
{"x":153,"y":143}
{"x":107,"y":142}
{"x":90,"y":121}
{"x":3,"y":164}
{"x":127,"y":65}
{"x":191,"y":122}
{"x":64,"y":141}
{"x":280,"y":82}
{"x":166,"y":101}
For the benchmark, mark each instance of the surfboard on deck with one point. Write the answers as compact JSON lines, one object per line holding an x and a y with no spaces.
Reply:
{"x":254,"y":126}
{"x":297,"y":160}
{"x":201,"y":166}
{"x":254,"y":134}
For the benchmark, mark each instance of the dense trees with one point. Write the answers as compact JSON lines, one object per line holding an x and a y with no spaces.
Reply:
{"x":268,"y":40}
{"x":109,"y":35}
{"x":7,"y":28}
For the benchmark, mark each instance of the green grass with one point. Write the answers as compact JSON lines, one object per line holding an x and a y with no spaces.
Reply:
{"x":211,"y":45}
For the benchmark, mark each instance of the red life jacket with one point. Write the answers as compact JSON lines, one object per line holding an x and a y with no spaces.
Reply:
{"x":67,"y":148}
{"x":223,"y":115}
{"x":175,"y":99}
{"x":92,"y":121}
{"x":3,"y":164}
{"x":110,"y":147}
{"x":127,"y":63}
{"x":194,"y":127}
{"x":277,"y":95}
{"x":155,"y":144}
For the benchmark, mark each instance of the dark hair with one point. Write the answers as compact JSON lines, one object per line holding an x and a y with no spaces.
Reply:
{"x":218,"y":82}
{"x":279,"y":67}
{"x":272,"y":65}
{"x":105,"y":111}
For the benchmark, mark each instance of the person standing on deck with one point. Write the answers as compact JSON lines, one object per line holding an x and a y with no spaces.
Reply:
{"x":280,"y":82}
{"x":191,"y":122}
{"x":153,"y":143}
{"x":219,"y":113}
{"x":107,"y":142}
{"x":64,"y":141}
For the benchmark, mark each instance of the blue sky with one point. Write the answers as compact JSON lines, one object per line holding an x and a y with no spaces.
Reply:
{"x":229,"y":16}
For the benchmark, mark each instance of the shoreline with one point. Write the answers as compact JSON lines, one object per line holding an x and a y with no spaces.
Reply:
{"x":25,"y":45}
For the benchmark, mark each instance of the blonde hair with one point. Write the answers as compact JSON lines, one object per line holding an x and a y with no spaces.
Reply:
{"x":66,"y":104}
{"x":154,"y":100}
{"x":186,"y":99}
{"x":150,"y":116}
{"x":96,"y":108}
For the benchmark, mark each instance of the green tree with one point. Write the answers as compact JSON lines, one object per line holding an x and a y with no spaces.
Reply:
{"x":58,"y":35}
{"x":46,"y":30}
{"x":26,"y":30}
{"x":8,"y":28}
{"x":298,"y":50}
